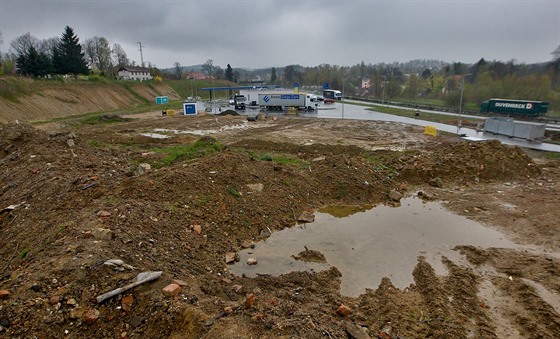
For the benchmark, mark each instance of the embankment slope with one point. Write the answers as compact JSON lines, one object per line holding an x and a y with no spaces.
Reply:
{"x":33,"y":100}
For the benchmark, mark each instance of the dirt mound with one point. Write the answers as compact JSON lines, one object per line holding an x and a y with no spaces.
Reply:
{"x":18,"y":133}
{"x":310,"y":255}
{"x":228,"y":112}
{"x":463,"y":161}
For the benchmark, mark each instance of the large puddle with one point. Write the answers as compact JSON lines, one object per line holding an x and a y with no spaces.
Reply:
{"x":369,"y":244}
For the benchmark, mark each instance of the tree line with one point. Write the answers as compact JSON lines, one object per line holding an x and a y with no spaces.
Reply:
{"x":434,"y":80}
{"x":413,"y":81}
{"x":30,"y":56}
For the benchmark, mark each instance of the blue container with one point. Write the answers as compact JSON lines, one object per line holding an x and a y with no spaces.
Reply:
{"x":189,"y":108}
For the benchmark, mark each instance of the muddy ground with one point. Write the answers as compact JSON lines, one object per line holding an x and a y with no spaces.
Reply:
{"x":74,"y":196}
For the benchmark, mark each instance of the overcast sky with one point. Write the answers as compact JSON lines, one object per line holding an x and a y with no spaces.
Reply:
{"x":265,"y":33}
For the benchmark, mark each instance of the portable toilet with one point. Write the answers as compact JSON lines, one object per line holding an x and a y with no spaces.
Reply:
{"x":162,"y":100}
{"x":189,"y":108}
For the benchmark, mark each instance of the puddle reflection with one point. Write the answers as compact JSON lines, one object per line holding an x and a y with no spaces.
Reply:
{"x":369,"y":244}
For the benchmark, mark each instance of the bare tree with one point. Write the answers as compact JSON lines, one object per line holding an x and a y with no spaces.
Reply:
{"x":22,"y":43}
{"x":219,"y":73}
{"x":556,"y":53}
{"x":208,"y":67}
{"x":178,"y":70}
{"x":98,"y":53}
{"x":90,"y":51}
{"x":120,"y":55}
{"x":103,"y":54}
{"x":47,"y":46}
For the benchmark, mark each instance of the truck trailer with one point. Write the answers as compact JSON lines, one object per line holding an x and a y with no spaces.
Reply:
{"x":284,"y":100}
{"x":524,"y":108}
{"x":332,"y":94}
{"x":251,"y":96}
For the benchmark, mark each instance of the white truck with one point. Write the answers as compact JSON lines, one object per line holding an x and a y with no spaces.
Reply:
{"x":283,"y":100}
{"x":239,"y":101}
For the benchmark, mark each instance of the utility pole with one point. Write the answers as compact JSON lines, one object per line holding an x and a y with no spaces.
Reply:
{"x":141,"y":57}
{"x":461,"y":101}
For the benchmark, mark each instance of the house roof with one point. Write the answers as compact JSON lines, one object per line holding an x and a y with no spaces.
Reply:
{"x":134,"y":69}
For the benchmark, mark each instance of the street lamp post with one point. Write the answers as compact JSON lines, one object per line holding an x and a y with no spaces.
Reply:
{"x":212,"y":94}
{"x":342,"y":98}
{"x":461,"y":101}
{"x":383,"y":98}
{"x":344,"y":76}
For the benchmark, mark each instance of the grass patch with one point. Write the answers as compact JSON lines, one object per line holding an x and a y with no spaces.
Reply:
{"x":198,"y":149}
{"x":379,"y":165}
{"x":536,"y":154}
{"x":552,"y":155}
{"x":342,"y":189}
{"x":95,"y":144}
{"x":233,"y":191}
{"x":12,"y":88}
{"x":552,"y":114}
{"x":265,"y":157}
{"x":433,"y":117}
{"x":203,"y":200}
{"x":103,"y":119}
{"x":291,"y":161}
{"x":98,"y":78}
{"x":129,"y":88}
{"x":193,"y":88}
{"x":111,"y":201}
{"x":438,"y":104}
{"x":23,"y":253}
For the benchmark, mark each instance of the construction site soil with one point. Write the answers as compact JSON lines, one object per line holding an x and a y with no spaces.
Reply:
{"x":87,"y":208}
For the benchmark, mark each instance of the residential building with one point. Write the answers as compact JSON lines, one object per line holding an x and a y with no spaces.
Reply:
{"x":134,"y":73}
{"x":366,"y":83}
{"x":197,"y":76}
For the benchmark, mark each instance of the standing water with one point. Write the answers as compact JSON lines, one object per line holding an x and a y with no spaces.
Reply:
{"x":367,"y":245}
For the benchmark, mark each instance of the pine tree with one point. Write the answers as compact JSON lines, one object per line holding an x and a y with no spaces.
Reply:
{"x":229,"y":73}
{"x":22,"y":64}
{"x":44,"y":65}
{"x":273,"y":75}
{"x":69,"y":58}
{"x":34,"y":63}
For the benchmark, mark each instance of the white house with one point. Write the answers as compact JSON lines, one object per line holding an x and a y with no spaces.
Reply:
{"x":365,"y":83}
{"x":134,"y":73}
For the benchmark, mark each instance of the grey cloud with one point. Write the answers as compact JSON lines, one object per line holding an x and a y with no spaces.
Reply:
{"x":276,"y":33}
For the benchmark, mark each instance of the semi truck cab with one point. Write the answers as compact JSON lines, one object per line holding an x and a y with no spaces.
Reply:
{"x":239,"y":101}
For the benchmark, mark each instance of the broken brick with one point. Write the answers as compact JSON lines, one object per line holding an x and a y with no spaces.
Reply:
{"x":171,"y":290}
